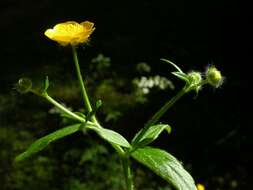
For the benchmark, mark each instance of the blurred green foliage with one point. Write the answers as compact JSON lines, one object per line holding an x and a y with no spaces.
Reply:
{"x":77,"y":162}
{"x":82,"y":162}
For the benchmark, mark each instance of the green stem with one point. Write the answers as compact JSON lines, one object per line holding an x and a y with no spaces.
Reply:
{"x":62,"y":108}
{"x":155,"y":118}
{"x":127,"y":172}
{"x":120,"y":151}
{"x":83,"y":90}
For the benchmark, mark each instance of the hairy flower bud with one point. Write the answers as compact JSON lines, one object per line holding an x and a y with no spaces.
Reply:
{"x":214,"y":77}
{"x":24,"y":85}
{"x":195,"y":77}
{"x":195,"y":80}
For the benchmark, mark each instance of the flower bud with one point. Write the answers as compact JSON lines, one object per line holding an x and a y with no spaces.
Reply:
{"x":214,"y":77}
{"x":195,"y":77}
{"x":24,"y":85}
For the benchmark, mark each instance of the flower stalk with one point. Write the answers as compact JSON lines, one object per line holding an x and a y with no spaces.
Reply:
{"x":166,"y":106}
{"x":63,"y":109}
{"x":123,"y":155}
{"x":81,"y":82}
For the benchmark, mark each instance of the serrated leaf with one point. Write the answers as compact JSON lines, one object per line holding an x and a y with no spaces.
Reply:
{"x":43,"y":142}
{"x":181,"y":76}
{"x":173,"y":64}
{"x":143,"y":138}
{"x":166,"y":166}
{"x":111,"y":136}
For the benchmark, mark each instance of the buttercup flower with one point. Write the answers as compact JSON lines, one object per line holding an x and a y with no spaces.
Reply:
{"x":70,"y":32}
{"x":200,"y":187}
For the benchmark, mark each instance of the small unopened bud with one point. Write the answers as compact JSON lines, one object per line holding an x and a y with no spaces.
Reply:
{"x":195,"y":77}
{"x":214,"y":77}
{"x":24,"y":85}
{"x":195,"y":80}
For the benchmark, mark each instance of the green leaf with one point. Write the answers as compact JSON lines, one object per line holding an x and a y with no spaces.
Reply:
{"x":46,"y":84}
{"x":111,"y":136}
{"x":41,"y":143}
{"x":70,"y":117}
{"x":98,"y":104}
{"x":173,"y":64}
{"x":166,"y":166}
{"x":80,"y":114}
{"x":144,"y":138}
{"x":182,"y":76}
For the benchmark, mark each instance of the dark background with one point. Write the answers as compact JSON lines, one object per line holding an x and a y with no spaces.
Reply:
{"x":209,"y":134}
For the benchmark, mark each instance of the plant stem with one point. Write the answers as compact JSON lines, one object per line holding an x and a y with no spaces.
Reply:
{"x":83,"y":90}
{"x":120,"y":151}
{"x":155,"y":118}
{"x":62,"y":108}
{"x":127,"y":172}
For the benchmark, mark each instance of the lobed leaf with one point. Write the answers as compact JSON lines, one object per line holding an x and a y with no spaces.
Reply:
{"x":166,"y":166}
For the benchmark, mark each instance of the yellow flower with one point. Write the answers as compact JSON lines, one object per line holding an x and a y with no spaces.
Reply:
{"x":200,"y":187}
{"x":70,"y":32}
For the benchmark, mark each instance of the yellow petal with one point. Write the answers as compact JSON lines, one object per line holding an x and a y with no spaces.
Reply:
{"x":71,"y":32}
{"x":200,"y":187}
{"x":87,"y":25}
{"x":49,"y":33}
